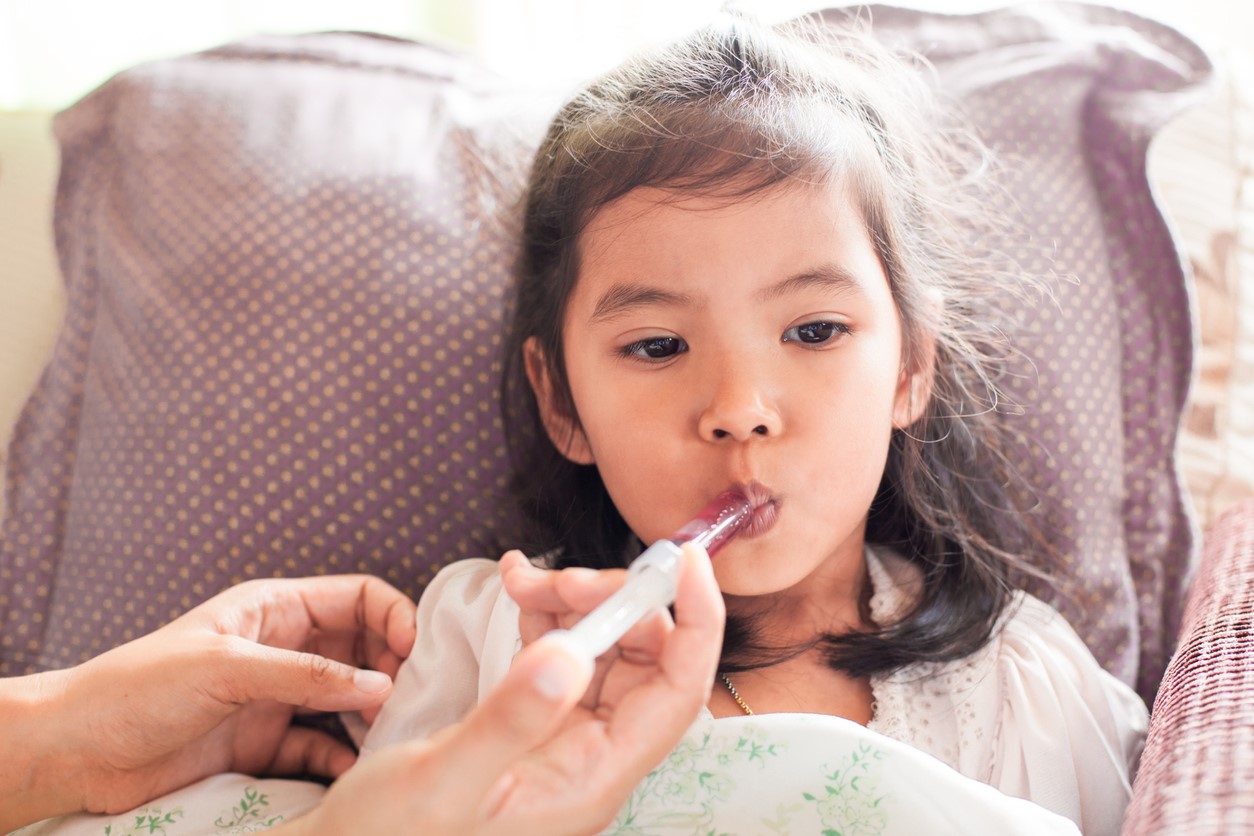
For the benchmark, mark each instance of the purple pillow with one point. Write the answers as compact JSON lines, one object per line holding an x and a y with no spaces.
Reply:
{"x":285,"y":261}
{"x":1070,"y":95}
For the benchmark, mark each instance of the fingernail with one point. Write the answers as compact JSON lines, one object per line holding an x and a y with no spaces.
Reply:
{"x":371,"y":682}
{"x":556,"y":676}
{"x":553,"y":679}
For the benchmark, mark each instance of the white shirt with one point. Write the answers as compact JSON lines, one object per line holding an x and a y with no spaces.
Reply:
{"x":1031,"y":714}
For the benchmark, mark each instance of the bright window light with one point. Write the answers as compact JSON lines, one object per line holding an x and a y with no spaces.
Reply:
{"x":54,"y":51}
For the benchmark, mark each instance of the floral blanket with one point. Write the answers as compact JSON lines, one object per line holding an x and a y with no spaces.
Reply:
{"x":810,"y":773}
{"x":778,"y":773}
{"x":229,"y":805}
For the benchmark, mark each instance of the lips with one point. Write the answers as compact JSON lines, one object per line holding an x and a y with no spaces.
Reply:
{"x":765,"y":510}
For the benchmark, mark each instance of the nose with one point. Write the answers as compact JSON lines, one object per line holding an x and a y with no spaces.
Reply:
{"x":739,"y":408}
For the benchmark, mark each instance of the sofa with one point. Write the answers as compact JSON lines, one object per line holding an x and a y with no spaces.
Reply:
{"x":283,"y":263}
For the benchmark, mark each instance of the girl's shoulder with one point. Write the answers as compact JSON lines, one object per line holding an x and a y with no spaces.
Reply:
{"x":1031,"y":628}
{"x":466,"y":603}
{"x":1035,"y":651}
{"x":1065,"y":725}
{"x":1033,"y":657}
{"x":467,"y":635}
{"x":465,"y":568}
{"x":1030,"y":638}
{"x":1032,"y":712}
{"x":475,"y":576}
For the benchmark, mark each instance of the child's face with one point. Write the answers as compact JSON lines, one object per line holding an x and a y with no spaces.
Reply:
{"x":712,"y":343}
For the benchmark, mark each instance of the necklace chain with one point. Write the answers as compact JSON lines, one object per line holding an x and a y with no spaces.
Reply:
{"x":735,"y":695}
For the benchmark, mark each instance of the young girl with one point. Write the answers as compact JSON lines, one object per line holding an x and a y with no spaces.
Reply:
{"x":752,"y":260}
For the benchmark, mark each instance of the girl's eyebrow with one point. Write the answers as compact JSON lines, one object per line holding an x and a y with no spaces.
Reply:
{"x":827,"y":277}
{"x":622,"y":298}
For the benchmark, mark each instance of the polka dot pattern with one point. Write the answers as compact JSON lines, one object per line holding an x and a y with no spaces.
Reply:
{"x":282,"y":349}
{"x":285,"y":267}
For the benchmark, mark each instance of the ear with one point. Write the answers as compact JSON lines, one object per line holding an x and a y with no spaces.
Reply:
{"x":918,"y":373}
{"x":914,"y":391}
{"x":562,"y":428}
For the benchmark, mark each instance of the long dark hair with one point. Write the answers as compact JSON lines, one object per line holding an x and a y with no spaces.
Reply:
{"x":737,"y":108}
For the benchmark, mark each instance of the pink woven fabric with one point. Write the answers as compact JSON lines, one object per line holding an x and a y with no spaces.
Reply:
{"x":1197,"y":772}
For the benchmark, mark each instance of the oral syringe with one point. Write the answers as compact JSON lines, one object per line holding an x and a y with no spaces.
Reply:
{"x":652,"y":577}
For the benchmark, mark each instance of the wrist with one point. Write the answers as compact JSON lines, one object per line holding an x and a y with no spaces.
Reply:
{"x":38,"y":774}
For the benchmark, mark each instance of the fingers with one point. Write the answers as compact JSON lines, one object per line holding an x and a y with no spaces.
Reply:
{"x":525,"y":585}
{"x":548,"y":599}
{"x":451,"y":783}
{"x":642,"y":644}
{"x":692,"y":653}
{"x":341,"y":623}
{"x":360,"y":649}
{"x":356,"y":603}
{"x":557,"y":591}
{"x":305,"y":751}
{"x":522,"y":712}
{"x":530,"y":586}
{"x":287,"y":612}
{"x":653,"y":716}
{"x":244,"y":671}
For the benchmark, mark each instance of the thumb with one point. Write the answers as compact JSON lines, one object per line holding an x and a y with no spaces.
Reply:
{"x":545,"y":681}
{"x":304,"y":679}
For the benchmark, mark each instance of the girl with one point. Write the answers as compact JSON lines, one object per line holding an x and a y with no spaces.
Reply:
{"x":752,"y":260}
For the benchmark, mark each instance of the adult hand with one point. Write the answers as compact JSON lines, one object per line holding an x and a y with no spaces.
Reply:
{"x":215,"y":691}
{"x":535,"y":758}
{"x":548,"y":600}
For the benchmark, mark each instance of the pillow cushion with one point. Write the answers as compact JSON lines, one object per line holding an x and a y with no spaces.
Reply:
{"x":1196,"y":773}
{"x":1070,"y":95}
{"x":285,"y":262}
{"x":279,"y":357}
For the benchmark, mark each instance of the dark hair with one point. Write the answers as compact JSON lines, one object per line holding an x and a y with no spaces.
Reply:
{"x":732,"y":110}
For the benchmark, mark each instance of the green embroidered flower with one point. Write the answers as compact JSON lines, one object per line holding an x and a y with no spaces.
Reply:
{"x":147,"y":820}
{"x":849,"y":804}
{"x":248,"y":816}
{"x":683,"y":792}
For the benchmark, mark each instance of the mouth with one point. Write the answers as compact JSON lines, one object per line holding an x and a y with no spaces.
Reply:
{"x":765,"y":510}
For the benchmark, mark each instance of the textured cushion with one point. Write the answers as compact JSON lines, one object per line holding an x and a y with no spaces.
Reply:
{"x":1197,"y":770}
{"x":285,"y":261}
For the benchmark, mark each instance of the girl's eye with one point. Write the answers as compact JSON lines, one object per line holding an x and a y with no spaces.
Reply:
{"x":816,"y":333}
{"x":654,"y":348}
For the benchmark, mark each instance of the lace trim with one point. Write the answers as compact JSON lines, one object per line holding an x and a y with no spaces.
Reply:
{"x":889,"y":698}
{"x":923,"y":705}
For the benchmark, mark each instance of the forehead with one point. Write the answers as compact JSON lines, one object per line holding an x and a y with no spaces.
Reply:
{"x":703,"y":242}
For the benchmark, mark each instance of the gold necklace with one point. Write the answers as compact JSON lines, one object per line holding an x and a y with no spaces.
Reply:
{"x":744,"y":706}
